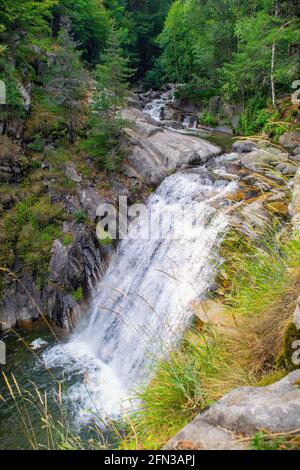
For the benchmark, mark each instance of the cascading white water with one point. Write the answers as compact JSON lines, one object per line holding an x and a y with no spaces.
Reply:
{"x":142,"y":305}
{"x":154,"y":109}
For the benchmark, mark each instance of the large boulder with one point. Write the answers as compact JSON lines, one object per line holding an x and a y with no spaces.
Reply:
{"x":244,"y":411}
{"x":157,"y":152}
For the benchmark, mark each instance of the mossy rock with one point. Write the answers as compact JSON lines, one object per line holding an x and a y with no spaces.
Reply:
{"x":284,"y":359}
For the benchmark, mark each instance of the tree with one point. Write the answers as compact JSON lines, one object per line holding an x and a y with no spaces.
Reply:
{"x":66,"y":79}
{"x":196,"y":40}
{"x":106,"y":122}
{"x":90,"y":26}
{"x":262,"y":37}
{"x":29,"y":16}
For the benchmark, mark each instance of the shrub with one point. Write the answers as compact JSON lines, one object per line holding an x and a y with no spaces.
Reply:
{"x":28,"y":232}
{"x":208,"y":120}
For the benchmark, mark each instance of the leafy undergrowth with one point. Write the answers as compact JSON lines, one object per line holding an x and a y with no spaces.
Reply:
{"x":280,"y":441}
{"x":259,"y":288}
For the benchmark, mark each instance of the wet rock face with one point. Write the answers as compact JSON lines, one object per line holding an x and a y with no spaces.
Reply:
{"x":79,"y":265}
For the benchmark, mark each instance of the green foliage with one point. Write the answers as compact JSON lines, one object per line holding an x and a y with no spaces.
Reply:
{"x":38,"y":144}
{"x":106,"y":122}
{"x":89,"y":23}
{"x":25,"y":15}
{"x":9,"y":75}
{"x":67,"y":239}
{"x":259,"y":272}
{"x":249,"y":70}
{"x":144,"y":22}
{"x":208,"y":120}
{"x":66,"y":79}
{"x":80,"y":217}
{"x":78,"y":294}
{"x":260,"y":442}
{"x":196,"y":40}
{"x":183,"y":386}
{"x":28,"y":232}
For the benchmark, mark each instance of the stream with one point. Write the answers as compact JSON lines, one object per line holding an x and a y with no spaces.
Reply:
{"x":139,"y":310}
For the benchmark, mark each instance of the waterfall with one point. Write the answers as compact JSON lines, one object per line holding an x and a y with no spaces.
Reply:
{"x":154,"y":109}
{"x":142,"y":305}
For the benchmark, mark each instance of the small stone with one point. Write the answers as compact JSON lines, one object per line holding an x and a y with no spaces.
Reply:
{"x":72,"y":174}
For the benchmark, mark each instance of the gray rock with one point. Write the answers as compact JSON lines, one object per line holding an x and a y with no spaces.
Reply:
{"x":295,"y":158}
{"x":296,"y":151}
{"x":90,"y":200}
{"x":290,"y":139}
{"x":297,"y":315}
{"x":157,"y":152}
{"x":244,"y":146}
{"x":287,"y":169}
{"x":199,"y":435}
{"x":246,"y":410}
{"x":261,"y":158}
{"x":72,"y":174}
{"x":169,"y":114}
{"x":295,"y":206}
{"x":25,"y":95}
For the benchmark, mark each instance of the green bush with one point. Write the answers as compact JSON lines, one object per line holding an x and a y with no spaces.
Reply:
{"x":28,"y":232}
{"x":208,"y":120}
{"x":38,"y":144}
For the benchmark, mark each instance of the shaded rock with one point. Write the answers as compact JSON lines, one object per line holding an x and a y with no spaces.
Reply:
{"x":16,"y":305}
{"x":287,"y":169}
{"x":296,"y":151}
{"x":13,"y":163}
{"x":246,"y":410}
{"x":79,"y":265}
{"x":290,"y":139}
{"x":295,"y":158}
{"x":244,"y":146}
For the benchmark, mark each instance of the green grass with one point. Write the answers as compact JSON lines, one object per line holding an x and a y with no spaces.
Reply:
{"x":185,"y":383}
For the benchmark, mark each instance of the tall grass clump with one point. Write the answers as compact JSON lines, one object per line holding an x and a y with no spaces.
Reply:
{"x":185,"y":383}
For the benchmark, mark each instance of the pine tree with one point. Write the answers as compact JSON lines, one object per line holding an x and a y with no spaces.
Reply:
{"x":66,"y":78}
{"x":106,"y":122}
